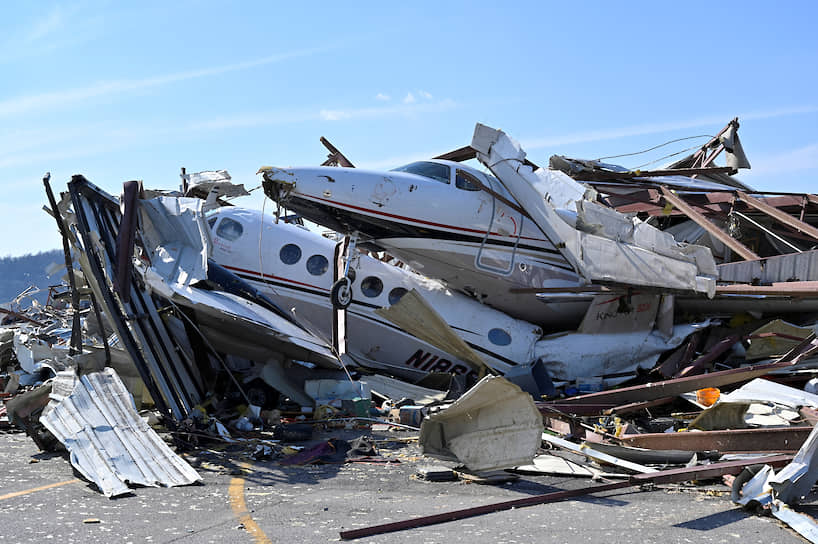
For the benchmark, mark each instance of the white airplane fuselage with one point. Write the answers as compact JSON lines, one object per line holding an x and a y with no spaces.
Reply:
{"x":440,"y":223}
{"x":294,"y":266}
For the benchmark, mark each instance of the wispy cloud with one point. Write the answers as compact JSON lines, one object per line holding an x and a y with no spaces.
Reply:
{"x":383,"y":97}
{"x":47,"y":25}
{"x":712,"y":122}
{"x":43,"y":146}
{"x":24,"y":104}
{"x":791,"y":160}
{"x":405,"y":109}
{"x":409,"y":98}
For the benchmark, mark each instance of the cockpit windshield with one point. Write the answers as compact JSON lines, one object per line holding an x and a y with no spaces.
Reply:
{"x":431,"y":170}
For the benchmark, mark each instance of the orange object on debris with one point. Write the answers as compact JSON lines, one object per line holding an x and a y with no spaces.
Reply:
{"x":708,"y":396}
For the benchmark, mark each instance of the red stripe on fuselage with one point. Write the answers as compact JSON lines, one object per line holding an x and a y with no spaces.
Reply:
{"x":411,"y":220}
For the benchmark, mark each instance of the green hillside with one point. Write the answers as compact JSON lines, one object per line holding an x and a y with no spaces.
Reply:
{"x":19,"y":273}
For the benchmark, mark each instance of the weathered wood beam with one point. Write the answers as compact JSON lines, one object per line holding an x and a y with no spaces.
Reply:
{"x":701,"y":220}
{"x":778,"y":215}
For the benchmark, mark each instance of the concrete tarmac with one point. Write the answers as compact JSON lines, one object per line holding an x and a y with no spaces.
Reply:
{"x":242,"y":501}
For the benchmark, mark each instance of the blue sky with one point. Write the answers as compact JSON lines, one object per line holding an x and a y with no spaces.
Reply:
{"x":119,"y":91}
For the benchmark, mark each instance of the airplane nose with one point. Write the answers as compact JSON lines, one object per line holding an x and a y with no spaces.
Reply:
{"x":278,"y":176}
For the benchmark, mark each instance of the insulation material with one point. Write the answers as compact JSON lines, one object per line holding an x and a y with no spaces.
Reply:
{"x":494,"y":425}
{"x":775,"y":346}
{"x":95,"y":419}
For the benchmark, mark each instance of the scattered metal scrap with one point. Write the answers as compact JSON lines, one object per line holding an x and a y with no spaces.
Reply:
{"x":679,"y":326}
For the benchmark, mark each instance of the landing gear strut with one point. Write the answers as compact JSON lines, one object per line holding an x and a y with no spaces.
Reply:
{"x":341,"y":292}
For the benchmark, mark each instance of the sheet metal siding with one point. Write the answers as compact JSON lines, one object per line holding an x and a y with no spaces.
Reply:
{"x":794,"y":266}
{"x":109,"y":443}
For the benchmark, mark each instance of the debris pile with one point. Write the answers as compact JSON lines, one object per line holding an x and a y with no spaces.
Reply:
{"x":632,"y":327}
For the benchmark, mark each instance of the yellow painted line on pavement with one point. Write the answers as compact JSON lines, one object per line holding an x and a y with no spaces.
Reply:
{"x":34,"y":489}
{"x":236,"y":492}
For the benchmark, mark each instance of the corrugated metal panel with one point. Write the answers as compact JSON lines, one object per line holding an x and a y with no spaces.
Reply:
{"x":110,"y":444}
{"x":794,"y":266}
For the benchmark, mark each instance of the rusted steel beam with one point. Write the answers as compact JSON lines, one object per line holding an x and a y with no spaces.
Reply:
{"x":677,"y":386}
{"x":702,"y":221}
{"x":723,"y":345}
{"x":335,"y":156}
{"x":780,"y":439}
{"x":18,"y":315}
{"x":713,"y":470}
{"x":576,"y":409}
{"x":636,"y":406}
{"x":778,"y":215}
{"x":459,"y":155}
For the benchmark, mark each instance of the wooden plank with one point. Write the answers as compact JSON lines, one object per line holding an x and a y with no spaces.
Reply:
{"x":778,"y":215}
{"x":335,"y":156}
{"x":783,"y":289}
{"x":702,"y":221}
{"x":459,"y":155}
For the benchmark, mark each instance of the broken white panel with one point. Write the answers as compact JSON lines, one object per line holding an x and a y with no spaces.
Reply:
{"x":761,"y":390}
{"x":554,"y":466}
{"x":612,"y":339}
{"x":617,"y":249}
{"x":176,"y":237}
{"x":34,"y":354}
{"x":109,"y":443}
{"x":204,"y":182}
{"x":494,"y":425}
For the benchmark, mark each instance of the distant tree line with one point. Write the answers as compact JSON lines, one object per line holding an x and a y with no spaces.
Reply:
{"x":19,"y":273}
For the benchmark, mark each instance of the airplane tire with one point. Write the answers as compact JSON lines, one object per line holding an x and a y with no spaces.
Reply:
{"x":341,"y":293}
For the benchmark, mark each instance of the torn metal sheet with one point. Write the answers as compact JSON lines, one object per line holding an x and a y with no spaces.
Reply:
{"x":792,"y":483}
{"x":392,"y":388}
{"x":493,"y":425}
{"x":760,"y":390}
{"x":801,"y":523}
{"x":787,"y":487}
{"x":109,"y":443}
{"x":601,"y":244}
{"x":176,"y":236}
